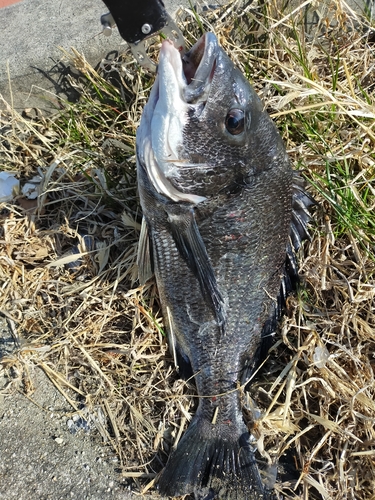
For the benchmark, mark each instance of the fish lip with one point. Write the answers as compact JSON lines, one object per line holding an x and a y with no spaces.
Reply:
{"x":199,"y":66}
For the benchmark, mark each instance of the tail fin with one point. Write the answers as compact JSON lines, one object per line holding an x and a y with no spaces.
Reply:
{"x":213,"y":461}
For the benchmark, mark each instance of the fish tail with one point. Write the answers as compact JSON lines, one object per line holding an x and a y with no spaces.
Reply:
{"x":213,"y":461}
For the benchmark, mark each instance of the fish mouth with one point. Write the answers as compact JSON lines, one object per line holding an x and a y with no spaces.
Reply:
{"x":193,"y":73}
{"x":198,"y":66}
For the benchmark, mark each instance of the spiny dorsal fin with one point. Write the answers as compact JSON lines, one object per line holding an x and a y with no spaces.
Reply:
{"x":302,"y":201}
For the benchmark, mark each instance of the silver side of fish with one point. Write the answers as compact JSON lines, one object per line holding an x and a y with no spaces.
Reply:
{"x":223,"y":214}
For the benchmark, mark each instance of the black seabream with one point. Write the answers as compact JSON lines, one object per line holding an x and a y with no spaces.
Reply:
{"x":223,"y":214}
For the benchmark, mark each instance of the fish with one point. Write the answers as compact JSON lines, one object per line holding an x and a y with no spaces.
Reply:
{"x":223,"y":216}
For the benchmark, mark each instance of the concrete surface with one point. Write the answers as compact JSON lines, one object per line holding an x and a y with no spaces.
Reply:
{"x":43,"y":460}
{"x":32,"y":32}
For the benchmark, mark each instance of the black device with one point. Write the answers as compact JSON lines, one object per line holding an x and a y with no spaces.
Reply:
{"x":138,"y":20}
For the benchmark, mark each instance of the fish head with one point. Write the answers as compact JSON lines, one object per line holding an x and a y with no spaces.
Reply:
{"x":204,"y":127}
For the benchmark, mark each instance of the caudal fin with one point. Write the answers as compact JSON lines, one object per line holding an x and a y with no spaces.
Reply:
{"x":213,"y":461}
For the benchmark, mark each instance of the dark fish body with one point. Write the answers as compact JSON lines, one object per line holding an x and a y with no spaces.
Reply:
{"x":221,"y":204}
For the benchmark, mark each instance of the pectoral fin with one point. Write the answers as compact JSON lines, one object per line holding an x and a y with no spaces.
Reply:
{"x":144,"y":255}
{"x":192,"y":248}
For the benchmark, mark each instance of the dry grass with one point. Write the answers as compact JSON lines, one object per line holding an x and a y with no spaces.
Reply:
{"x":100,"y":339}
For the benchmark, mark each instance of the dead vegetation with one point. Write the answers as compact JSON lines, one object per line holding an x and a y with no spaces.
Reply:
{"x":67,"y":259}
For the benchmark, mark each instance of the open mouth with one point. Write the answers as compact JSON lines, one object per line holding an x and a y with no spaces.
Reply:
{"x":199,"y":66}
{"x":192,"y":59}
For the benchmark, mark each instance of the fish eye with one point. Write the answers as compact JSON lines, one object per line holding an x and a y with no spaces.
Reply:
{"x":235,"y":121}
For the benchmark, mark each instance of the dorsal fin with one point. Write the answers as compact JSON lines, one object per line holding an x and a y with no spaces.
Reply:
{"x":302,"y":201}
